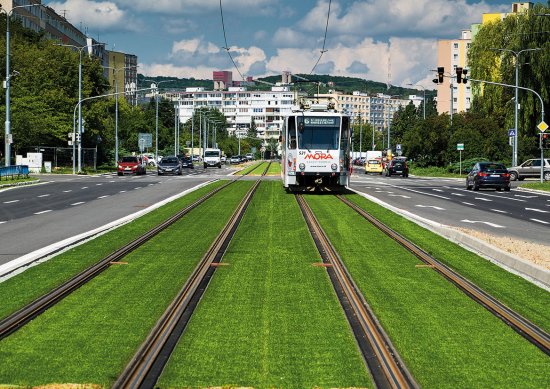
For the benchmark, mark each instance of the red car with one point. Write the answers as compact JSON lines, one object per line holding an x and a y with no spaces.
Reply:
{"x":130,"y":165}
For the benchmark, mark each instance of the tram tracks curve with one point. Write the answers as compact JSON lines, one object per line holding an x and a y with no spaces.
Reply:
{"x":145,"y":367}
{"x":386,"y":366}
{"x":520,"y":324}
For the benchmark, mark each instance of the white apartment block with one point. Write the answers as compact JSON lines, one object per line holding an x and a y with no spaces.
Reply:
{"x":266,"y":108}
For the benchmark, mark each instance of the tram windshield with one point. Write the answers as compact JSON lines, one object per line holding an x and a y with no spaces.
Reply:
{"x":319,"y":133}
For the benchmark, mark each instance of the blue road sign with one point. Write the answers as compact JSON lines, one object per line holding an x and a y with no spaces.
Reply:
{"x":512,"y":132}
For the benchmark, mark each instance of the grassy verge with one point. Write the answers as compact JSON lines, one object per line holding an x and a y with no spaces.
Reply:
{"x":249,"y":169}
{"x":445,"y":338}
{"x":269,"y":319}
{"x":38,"y":280}
{"x":274,"y":169}
{"x":14,"y":181}
{"x":91,"y":335}
{"x":434,"y":172}
{"x":537,"y":185}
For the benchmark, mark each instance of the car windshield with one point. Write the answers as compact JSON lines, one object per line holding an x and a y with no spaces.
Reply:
{"x":129,"y":159}
{"x":211,"y":153}
{"x":169,"y":160}
{"x":492,"y":168}
{"x":318,"y":132}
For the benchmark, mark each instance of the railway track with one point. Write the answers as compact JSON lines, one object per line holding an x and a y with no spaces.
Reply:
{"x":524,"y":327}
{"x":19,"y":318}
{"x":385,"y":364}
{"x":147,"y":364}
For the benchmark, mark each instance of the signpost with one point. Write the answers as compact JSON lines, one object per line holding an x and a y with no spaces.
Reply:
{"x":460,"y":148}
{"x":398,"y":149}
{"x":542,"y":126}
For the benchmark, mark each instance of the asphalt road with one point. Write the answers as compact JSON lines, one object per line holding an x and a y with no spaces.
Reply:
{"x":62,"y":207}
{"x":517,"y":214}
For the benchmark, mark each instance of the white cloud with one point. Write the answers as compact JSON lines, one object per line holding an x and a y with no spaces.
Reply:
{"x":171,"y":70}
{"x":100,"y":15}
{"x":196,"y":6}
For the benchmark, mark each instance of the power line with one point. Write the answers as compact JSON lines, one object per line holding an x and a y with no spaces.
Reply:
{"x":226,"y":45}
{"x":324,"y":40}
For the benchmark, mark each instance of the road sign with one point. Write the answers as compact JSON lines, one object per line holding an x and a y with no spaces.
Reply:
{"x":141,"y":143}
{"x":262,"y":149}
{"x":398,"y":147}
{"x":147,"y":138}
{"x":512,"y":132}
{"x":542,"y":126}
{"x":460,"y":146}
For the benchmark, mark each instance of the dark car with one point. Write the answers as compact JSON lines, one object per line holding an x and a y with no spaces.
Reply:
{"x":169,"y":165}
{"x":488,"y":175}
{"x":186,"y":162}
{"x":397,"y":167}
{"x":130,"y":165}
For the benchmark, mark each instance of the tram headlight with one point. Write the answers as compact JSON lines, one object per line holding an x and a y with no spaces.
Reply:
{"x":334,"y":166}
{"x":302,"y":166}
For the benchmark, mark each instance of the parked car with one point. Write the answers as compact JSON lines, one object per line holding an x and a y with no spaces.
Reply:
{"x":187,"y":162}
{"x":530,"y":168}
{"x":374,"y":166}
{"x":130,"y":165}
{"x":488,"y":175}
{"x":397,"y":166}
{"x":235,"y":159}
{"x":169,"y":165}
{"x":149,"y":159}
{"x":224,"y":159}
{"x":249,"y":157}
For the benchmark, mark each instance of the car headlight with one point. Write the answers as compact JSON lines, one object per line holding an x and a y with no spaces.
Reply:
{"x":334,"y":166}
{"x":120,"y":167}
{"x":302,"y":166}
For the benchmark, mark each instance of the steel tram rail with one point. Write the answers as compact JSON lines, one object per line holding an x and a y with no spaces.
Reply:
{"x":19,"y":318}
{"x":524,"y":327}
{"x":383,"y":361}
{"x":146,"y":366}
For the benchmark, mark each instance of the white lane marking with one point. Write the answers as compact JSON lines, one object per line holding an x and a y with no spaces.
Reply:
{"x":139,"y":187}
{"x":122,"y":191}
{"x":84,"y":187}
{"x":102,"y":197}
{"x":2,"y":222}
{"x":67,"y":191}
{"x":44,"y":195}
{"x":379,"y":191}
{"x":482,"y":199}
{"x":99,"y":184}
{"x":498,"y":197}
{"x":424,"y":193}
{"x":480,"y":221}
{"x":464,"y":202}
{"x":10,"y":202}
{"x":41,"y":212}
{"x":539,"y":221}
{"x":498,"y":210}
{"x":525,"y":197}
{"x":112,"y":181}
{"x":437,"y":190}
{"x":458,"y":194}
{"x":80,"y":202}
{"x":394,"y":195}
{"x":537,"y":210}
{"x":430,"y":206}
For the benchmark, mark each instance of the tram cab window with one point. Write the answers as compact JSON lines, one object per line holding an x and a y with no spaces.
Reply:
{"x":291,"y":133}
{"x":318,"y":133}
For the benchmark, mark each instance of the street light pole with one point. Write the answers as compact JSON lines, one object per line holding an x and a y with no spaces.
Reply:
{"x":515,"y":143}
{"x":424,"y":99}
{"x":8,"y":140}
{"x":154,"y":87}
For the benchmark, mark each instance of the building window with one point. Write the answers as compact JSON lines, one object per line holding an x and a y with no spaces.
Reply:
{"x":455,"y":45}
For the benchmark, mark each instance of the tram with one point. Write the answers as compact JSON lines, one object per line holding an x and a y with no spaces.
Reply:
{"x":315,"y":146}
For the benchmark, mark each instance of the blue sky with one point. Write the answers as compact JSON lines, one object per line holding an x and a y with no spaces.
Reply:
{"x":184,"y":38}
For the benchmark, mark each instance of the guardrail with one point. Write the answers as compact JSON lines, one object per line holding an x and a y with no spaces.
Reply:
{"x":14,"y":171}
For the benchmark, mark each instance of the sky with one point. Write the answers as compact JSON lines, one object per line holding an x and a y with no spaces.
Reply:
{"x":185,"y":38}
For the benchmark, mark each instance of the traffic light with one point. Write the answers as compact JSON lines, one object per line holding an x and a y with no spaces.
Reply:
{"x":464,"y":76}
{"x":458,"y":75}
{"x":440,"y":71}
{"x":544,"y":140}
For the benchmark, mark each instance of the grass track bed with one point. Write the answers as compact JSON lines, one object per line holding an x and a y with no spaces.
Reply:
{"x":274,"y":169}
{"x":90,"y":336}
{"x":249,"y":169}
{"x":269,"y":318}
{"x":38,"y":280}
{"x":444,"y":337}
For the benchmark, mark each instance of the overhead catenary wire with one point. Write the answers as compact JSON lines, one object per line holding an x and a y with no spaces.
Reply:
{"x":323,"y":51}
{"x":226,"y":45}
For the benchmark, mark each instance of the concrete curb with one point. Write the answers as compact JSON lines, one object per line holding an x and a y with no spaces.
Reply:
{"x":20,"y":264}
{"x":517,"y":265}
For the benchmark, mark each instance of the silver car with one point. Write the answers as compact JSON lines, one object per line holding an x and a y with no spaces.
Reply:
{"x":530,"y":169}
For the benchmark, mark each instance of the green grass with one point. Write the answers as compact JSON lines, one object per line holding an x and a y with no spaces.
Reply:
{"x":91,"y":335}
{"x":16,"y":180}
{"x":249,"y":169}
{"x":434,"y":172}
{"x":269,"y":319}
{"x":274,"y":169}
{"x":537,"y":185}
{"x":444,"y":337}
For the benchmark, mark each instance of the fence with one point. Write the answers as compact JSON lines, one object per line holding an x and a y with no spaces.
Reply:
{"x":63,"y":156}
{"x":14,"y":171}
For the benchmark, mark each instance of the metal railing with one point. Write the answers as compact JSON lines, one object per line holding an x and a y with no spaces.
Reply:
{"x":14,"y":171}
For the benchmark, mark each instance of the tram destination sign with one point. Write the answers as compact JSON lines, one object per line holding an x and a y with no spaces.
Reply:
{"x":321,"y":121}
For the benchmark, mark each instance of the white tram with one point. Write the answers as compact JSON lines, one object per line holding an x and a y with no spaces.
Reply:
{"x":315,"y":144}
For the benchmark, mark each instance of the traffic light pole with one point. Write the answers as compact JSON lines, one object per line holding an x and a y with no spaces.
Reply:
{"x":542,"y":114}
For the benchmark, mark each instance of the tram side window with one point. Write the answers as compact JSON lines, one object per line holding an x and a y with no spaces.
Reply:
{"x":291,"y":133}
{"x":345,"y":133}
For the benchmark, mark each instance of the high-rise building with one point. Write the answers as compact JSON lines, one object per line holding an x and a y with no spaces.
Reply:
{"x":222,"y":79}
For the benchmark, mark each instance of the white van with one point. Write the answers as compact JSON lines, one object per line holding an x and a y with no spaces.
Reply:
{"x":212,"y":157}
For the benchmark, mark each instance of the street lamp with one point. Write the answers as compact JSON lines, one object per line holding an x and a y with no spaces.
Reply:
{"x":424,"y":101}
{"x":154,"y":86}
{"x":8,"y":139}
{"x":79,"y":48}
{"x":516,"y":54}
{"x":115,"y":71}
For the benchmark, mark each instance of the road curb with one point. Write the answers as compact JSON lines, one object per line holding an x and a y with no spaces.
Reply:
{"x":510,"y":262}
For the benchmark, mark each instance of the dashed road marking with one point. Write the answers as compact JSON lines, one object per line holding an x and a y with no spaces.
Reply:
{"x":482,"y":199}
{"x":539,"y":221}
{"x":41,"y":212}
{"x":11,"y":201}
{"x":480,"y":221}
{"x":537,"y":210}
{"x":44,"y":195}
{"x":394,"y":195}
{"x":525,"y":196}
{"x":84,"y":187}
{"x":458,"y":194}
{"x":430,"y":206}
{"x":102,"y":197}
{"x":498,"y":210}
{"x":80,"y":202}
{"x":464,"y":202}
